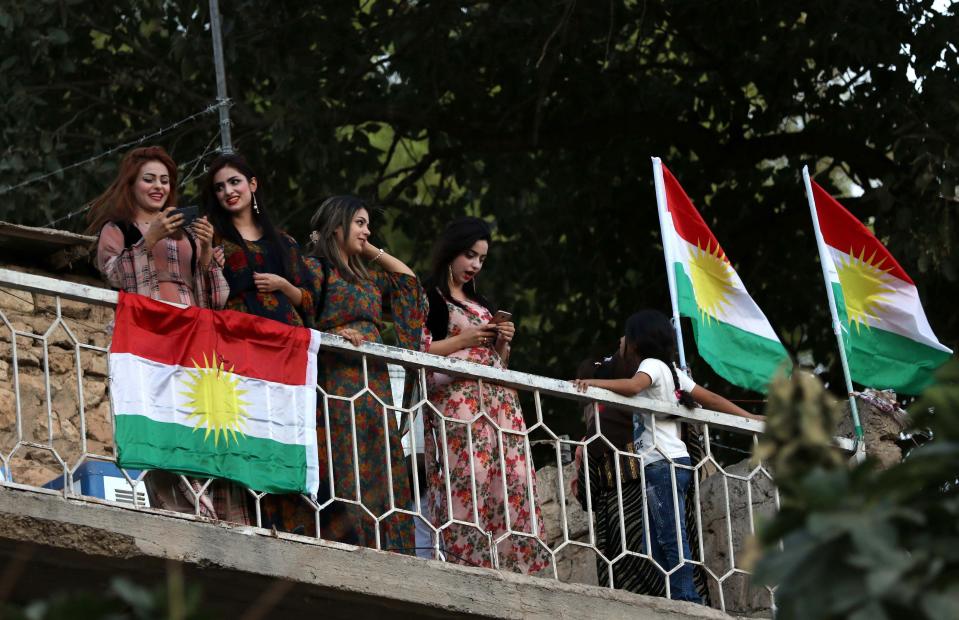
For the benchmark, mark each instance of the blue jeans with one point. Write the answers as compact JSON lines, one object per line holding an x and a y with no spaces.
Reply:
{"x":662,"y":525}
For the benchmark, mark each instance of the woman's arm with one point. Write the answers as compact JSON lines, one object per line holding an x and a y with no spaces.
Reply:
{"x":121,"y":265}
{"x":712,"y":400}
{"x":386,"y":261}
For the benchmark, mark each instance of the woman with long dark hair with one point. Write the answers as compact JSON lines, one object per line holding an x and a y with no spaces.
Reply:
{"x":143,"y":247}
{"x":634,"y":573}
{"x":266,"y":274}
{"x":358,"y":288}
{"x":460,"y":325}
{"x":650,"y":347}
{"x":262,"y":265}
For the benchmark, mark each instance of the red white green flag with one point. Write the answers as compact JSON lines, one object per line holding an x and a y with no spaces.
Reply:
{"x":215,"y":394}
{"x":732,"y":333}
{"x":888,"y":340}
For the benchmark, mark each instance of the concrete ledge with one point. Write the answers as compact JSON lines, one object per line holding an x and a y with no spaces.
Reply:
{"x":240,"y":568}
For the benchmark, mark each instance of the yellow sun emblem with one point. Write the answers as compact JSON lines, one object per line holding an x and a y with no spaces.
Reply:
{"x":215,"y":400}
{"x":712,"y":280}
{"x":864,"y":287}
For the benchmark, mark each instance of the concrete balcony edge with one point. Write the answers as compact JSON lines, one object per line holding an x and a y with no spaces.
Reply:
{"x":60,"y":534}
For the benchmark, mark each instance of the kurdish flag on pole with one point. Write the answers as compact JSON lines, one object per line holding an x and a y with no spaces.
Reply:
{"x":215,"y":394}
{"x":888,"y":341}
{"x":732,"y":333}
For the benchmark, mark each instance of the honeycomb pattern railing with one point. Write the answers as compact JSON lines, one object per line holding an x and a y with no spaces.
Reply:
{"x":55,"y":417}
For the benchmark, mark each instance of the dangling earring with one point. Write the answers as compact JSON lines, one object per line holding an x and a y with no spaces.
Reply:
{"x":450,"y":268}
{"x":256,"y":209}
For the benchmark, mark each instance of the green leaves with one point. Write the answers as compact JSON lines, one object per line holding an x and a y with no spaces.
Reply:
{"x":556,"y":150}
{"x":862,"y":543}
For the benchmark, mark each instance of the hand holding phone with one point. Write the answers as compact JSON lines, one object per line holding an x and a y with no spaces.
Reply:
{"x":189,"y":214}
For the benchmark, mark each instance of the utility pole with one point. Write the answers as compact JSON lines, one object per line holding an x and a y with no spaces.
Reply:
{"x":226,"y":142}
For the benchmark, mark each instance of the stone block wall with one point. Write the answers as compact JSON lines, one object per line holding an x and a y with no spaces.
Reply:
{"x":49,"y":413}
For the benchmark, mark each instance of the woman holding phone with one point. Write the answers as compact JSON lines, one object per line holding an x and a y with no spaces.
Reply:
{"x":146,"y":247}
{"x":463,"y":324}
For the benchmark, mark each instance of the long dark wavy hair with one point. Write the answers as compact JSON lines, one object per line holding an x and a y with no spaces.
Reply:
{"x":650,"y":335}
{"x":222,"y":220}
{"x":458,"y":236}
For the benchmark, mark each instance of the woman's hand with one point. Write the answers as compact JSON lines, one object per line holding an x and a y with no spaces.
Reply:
{"x":269,"y":282}
{"x":478,"y":336}
{"x":167,"y":223}
{"x":355,"y":337}
{"x":219,"y":257}
{"x":203,"y":231}
{"x":505,"y":332}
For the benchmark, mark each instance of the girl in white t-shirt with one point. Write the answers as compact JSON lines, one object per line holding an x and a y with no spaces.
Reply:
{"x":649,"y":343}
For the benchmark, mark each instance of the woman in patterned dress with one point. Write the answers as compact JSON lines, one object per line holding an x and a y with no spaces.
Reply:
{"x":267,"y":277}
{"x":143,"y":247}
{"x":459,"y":326}
{"x":356,"y":286}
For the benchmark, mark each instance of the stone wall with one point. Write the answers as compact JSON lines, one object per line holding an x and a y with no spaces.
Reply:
{"x":574,"y":564}
{"x":49,"y":414}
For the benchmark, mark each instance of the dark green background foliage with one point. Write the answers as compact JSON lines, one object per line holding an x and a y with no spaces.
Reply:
{"x":864,"y":544}
{"x":542,"y":115}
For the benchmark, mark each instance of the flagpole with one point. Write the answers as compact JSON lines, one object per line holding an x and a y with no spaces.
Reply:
{"x":836,"y":323}
{"x":663,"y":212}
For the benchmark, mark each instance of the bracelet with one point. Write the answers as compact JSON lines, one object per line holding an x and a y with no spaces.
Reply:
{"x":378,"y":255}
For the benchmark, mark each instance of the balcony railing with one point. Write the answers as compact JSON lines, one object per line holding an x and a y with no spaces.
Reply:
{"x":55,"y":420}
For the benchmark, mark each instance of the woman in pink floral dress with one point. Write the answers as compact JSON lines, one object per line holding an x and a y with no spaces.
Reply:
{"x":459,"y":325}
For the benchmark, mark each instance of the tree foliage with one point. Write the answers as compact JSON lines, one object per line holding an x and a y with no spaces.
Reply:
{"x":540,"y":115}
{"x":862,"y":543}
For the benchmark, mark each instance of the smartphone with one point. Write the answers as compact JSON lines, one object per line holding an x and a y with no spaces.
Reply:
{"x":501,"y":316}
{"x":190,"y":213}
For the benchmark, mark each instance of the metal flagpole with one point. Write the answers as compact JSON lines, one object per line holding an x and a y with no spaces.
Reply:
{"x":837,"y":326}
{"x":664,"y":217}
{"x":226,"y":142}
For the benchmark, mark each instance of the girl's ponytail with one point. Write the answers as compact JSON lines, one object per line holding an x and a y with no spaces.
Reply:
{"x":685,"y":398}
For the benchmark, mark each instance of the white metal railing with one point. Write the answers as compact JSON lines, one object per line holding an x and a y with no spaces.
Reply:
{"x":51,"y":406}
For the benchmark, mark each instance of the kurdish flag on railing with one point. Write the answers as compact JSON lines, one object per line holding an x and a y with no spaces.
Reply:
{"x":888,"y":340}
{"x":215,"y":394}
{"x":732,"y":333}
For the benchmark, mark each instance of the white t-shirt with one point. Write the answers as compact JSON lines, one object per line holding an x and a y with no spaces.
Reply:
{"x":667,"y":438}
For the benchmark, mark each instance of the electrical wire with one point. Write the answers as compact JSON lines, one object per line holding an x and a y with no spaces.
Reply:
{"x":208,"y":110}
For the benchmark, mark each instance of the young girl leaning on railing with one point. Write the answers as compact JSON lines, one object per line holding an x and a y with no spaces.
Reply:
{"x":649,"y":344}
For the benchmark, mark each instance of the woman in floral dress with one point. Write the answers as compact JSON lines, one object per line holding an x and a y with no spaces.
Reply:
{"x":459,"y":325}
{"x":267,"y":277}
{"x":356,"y":285}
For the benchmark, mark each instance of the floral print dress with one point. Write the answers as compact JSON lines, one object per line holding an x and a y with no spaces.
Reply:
{"x":273,"y":305}
{"x":240,"y":263}
{"x":458,"y":399}
{"x":364,"y":305}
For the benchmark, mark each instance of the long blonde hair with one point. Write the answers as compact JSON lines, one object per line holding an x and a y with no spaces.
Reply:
{"x":336,"y":212}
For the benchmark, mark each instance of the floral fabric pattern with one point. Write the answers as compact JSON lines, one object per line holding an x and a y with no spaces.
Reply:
{"x":460,"y":401}
{"x":363,"y":306}
{"x":273,"y":305}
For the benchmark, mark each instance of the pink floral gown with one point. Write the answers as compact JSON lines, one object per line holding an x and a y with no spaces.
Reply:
{"x":459,"y":399}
